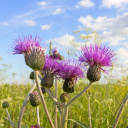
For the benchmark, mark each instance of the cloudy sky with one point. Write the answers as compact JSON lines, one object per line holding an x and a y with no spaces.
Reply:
{"x":56,"y":20}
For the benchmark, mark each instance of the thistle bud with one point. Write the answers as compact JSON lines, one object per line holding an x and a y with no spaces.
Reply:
{"x":76,"y":126}
{"x":35,"y":58}
{"x":43,"y":90}
{"x":94,"y":73}
{"x":32,"y":76}
{"x":64,"y":97}
{"x":5,"y":104}
{"x":34,"y":99}
{"x":47,"y":80}
{"x":68,"y":85}
{"x":56,"y":55}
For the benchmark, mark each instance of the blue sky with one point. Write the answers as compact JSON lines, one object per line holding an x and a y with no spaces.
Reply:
{"x":56,"y":20}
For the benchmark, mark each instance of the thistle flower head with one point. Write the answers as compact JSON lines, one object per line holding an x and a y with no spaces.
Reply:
{"x":71,"y":70}
{"x":97,"y":55}
{"x":24,"y":44}
{"x":56,"y":54}
{"x":51,"y":66}
{"x":54,"y":51}
{"x":35,"y":58}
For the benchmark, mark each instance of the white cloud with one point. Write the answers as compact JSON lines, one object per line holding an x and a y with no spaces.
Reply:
{"x":42,"y":3}
{"x":113,"y":30}
{"x":58,"y":11}
{"x":122,"y":53}
{"x":5,"y":23}
{"x":45,"y":27}
{"x":30,"y":23}
{"x":63,"y":40}
{"x":115,"y":3}
{"x":85,"y":4}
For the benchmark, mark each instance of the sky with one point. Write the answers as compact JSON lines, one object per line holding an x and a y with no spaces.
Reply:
{"x":56,"y":20}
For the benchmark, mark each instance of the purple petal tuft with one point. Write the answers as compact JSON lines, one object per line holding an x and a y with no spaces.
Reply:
{"x":97,"y":54}
{"x":71,"y":69}
{"x":24,"y":44}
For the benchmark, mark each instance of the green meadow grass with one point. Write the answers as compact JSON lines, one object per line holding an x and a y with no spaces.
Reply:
{"x":104,"y":102}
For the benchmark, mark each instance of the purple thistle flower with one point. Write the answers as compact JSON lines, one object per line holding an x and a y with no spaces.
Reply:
{"x":51,"y":66}
{"x":56,"y":54}
{"x":36,"y":126}
{"x":24,"y":44}
{"x":97,"y":55}
{"x":71,"y":69}
{"x":54,"y":51}
{"x":51,"y":69}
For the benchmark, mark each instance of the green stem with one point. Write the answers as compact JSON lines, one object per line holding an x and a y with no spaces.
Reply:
{"x":24,"y":105}
{"x":42,"y":99}
{"x":64,"y":119}
{"x":77,"y":96}
{"x":120,"y":112}
{"x":38,"y":117}
{"x":56,"y":91}
{"x":9,"y":118}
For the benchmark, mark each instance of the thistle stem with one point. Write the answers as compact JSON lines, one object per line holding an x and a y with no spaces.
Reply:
{"x":64,"y":117}
{"x":56,"y":91}
{"x":53,"y":97}
{"x":24,"y":105}
{"x":37,"y":114}
{"x":89,"y":112}
{"x":120,"y":112}
{"x":77,"y":96}
{"x":9,"y":118}
{"x":42,"y":100}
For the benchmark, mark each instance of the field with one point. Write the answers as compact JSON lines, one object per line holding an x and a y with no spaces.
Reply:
{"x":104,"y":103}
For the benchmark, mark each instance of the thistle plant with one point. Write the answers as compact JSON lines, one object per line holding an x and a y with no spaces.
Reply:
{"x":52,"y":66}
{"x":5,"y":105}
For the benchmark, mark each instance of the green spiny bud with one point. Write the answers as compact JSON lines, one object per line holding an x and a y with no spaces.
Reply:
{"x":32,"y":76}
{"x":47,"y":80}
{"x":94,"y":73}
{"x":64,"y":97}
{"x":43,"y":90}
{"x":76,"y":126}
{"x":35,"y":58}
{"x":34,"y":99}
{"x":5,"y":104}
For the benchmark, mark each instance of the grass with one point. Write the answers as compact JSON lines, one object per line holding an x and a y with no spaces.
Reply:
{"x":104,"y":99}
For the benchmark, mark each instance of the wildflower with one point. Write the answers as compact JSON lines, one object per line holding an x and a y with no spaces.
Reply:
{"x":56,"y":54}
{"x":33,"y":52}
{"x":51,"y":69}
{"x":34,"y":99}
{"x":5,"y":104}
{"x":70,"y":71}
{"x":35,"y":126}
{"x":96,"y":56}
